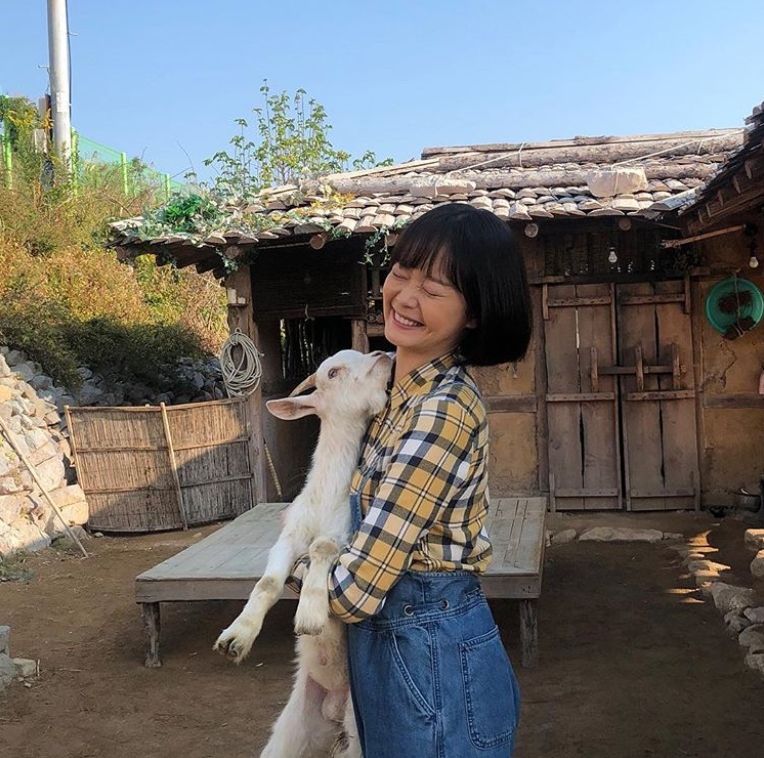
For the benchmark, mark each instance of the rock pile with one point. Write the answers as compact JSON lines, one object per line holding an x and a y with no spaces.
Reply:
{"x":195,"y":381}
{"x":13,"y":668}
{"x":742,"y":617}
{"x":27,"y":521}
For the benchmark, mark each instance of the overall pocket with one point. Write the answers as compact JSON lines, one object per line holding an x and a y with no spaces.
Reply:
{"x":490,"y":689}
{"x":411,"y":651}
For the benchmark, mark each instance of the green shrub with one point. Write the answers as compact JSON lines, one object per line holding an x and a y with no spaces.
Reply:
{"x":65,"y":299}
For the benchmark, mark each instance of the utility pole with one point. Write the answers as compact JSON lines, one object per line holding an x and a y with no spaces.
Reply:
{"x":58,"y":53}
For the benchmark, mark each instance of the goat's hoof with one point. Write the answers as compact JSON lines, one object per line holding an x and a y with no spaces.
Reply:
{"x":323,"y":547}
{"x":235,"y":644}
{"x":312,"y":630}
{"x":231,"y":648}
{"x":307,"y":622}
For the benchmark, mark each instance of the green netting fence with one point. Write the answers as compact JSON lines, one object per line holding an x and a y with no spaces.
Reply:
{"x":91,"y":161}
{"x":6,"y":156}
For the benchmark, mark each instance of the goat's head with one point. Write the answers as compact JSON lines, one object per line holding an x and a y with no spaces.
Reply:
{"x":348,"y":385}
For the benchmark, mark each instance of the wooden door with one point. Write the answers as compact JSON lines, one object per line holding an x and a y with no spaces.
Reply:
{"x":657,"y":394}
{"x":620,"y":405}
{"x":581,"y":404}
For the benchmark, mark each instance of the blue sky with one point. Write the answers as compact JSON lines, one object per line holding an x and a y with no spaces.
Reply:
{"x":162,"y":79}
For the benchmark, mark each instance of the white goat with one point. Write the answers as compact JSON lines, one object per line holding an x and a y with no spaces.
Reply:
{"x":350,"y":389}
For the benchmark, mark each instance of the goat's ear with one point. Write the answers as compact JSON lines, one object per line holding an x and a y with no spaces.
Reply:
{"x":291,"y":408}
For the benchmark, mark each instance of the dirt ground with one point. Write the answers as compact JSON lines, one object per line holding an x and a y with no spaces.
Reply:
{"x":633,"y":662}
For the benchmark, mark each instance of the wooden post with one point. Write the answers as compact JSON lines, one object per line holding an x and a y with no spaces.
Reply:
{"x":173,"y":465}
{"x":616,"y":390}
{"x":640,"y":368}
{"x":360,"y":339}
{"x":552,"y":489}
{"x":697,"y":382}
{"x":240,"y":316}
{"x":676,"y":368}
{"x":152,"y":625}
{"x":529,"y":635}
{"x":540,"y":388}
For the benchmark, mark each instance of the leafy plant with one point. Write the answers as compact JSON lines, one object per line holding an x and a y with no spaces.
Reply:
{"x":292,"y":144}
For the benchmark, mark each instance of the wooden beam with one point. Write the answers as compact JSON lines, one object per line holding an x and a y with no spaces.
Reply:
{"x":650,"y":299}
{"x":566,"y":302}
{"x":732,"y":400}
{"x":583,"y":141}
{"x":242,"y":318}
{"x":584,"y":492}
{"x":526,"y":156}
{"x":579,"y":397}
{"x":660,"y":395}
{"x":698,"y":237}
{"x":512,"y":404}
{"x":515,"y":180}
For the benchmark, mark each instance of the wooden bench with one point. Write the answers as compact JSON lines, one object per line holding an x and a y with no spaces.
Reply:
{"x":226,"y":565}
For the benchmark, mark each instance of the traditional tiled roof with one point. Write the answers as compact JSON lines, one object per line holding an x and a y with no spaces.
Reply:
{"x":584,"y":177}
{"x":738,"y":186}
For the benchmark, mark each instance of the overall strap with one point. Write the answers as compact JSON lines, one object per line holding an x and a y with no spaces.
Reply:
{"x":356,"y":517}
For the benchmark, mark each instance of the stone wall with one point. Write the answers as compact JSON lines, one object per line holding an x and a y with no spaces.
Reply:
{"x":27,"y":520}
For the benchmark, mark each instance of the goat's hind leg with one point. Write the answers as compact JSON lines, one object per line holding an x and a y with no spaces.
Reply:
{"x":236,"y":640}
{"x":349,"y":746}
{"x":301,"y":731}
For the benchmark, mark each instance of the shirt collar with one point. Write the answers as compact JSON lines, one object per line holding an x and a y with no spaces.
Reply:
{"x":422,"y":380}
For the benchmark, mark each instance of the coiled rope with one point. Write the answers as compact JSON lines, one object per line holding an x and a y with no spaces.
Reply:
{"x":241,"y":377}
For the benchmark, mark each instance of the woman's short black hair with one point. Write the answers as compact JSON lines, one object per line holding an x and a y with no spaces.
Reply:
{"x":482,"y":259}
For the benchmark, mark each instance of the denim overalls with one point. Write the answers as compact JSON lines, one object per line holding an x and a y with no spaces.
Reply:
{"x":429,"y":674}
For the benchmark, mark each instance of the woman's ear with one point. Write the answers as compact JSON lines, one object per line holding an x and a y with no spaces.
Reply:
{"x":471,"y":324}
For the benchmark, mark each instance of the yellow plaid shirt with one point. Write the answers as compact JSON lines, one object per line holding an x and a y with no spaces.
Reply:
{"x":422,"y":481}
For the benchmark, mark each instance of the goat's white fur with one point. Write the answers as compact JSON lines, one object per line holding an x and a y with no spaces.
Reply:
{"x":350,"y":389}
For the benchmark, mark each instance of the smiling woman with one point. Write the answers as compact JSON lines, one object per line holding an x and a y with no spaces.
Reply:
{"x":429,"y":675}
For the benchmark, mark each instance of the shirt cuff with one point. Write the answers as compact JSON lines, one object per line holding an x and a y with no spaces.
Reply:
{"x":295,"y":579}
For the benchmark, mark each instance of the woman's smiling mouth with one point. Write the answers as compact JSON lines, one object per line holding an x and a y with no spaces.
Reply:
{"x":402,"y":320}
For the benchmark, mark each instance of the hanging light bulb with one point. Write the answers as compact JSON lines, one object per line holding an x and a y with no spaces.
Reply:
{"x":613,"y":256}
{"x":750,"y":232}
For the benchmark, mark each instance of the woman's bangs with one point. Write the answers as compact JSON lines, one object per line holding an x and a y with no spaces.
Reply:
{"x":426,"y":250}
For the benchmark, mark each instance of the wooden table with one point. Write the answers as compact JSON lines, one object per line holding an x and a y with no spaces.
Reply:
{"x":226,"y":565}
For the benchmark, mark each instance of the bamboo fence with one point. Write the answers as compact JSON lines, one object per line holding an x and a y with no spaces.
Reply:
{"x":154,"y":468}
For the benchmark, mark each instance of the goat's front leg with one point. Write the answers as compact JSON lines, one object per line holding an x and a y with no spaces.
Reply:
{"x":313,"y":607}
{"x":236,"y":640}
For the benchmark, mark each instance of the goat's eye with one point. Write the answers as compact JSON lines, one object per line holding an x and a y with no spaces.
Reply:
{"x":333,"y":372}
